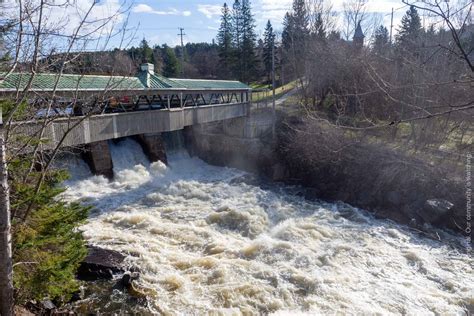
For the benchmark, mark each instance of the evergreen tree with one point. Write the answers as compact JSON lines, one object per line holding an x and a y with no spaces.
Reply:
{"x":319,"y":29}
{"x":381,"y":40}
{"x":295,"y":36}
{"x":268,"y":48}
{"x":224,"y":41}
{"x":300,"y":21}
{"x":170,"y":62}
{"x":237,"y":30}
{"x":288,"y":31}
{"x":409,"y":34}
{"x":249,"y":38}
{"x":146,"y":52}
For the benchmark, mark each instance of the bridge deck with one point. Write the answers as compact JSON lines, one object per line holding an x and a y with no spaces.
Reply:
{"x":75,"y":131}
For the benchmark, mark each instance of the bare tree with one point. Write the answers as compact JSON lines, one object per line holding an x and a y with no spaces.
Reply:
{"x":37,"y":31}
{"x":355,"y":12}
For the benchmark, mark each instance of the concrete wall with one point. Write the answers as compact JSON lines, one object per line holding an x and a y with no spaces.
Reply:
{"x":98,"y":157}
{"x":243,"y":143}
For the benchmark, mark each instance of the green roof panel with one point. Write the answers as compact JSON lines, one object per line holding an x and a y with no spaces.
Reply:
{"x":211,"y":84}
{"x":144,"y":81}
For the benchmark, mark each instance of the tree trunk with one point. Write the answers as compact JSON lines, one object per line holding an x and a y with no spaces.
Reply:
{"x":6,"y":269}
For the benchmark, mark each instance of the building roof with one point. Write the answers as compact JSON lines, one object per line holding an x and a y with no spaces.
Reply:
{"x":44,"y":82}
{"x":211,"y":84}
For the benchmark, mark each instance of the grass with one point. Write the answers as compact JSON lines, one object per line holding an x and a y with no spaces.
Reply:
{"x":261,"y":96}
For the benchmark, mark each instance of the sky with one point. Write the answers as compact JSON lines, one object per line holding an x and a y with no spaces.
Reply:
{"x":159,"y":20}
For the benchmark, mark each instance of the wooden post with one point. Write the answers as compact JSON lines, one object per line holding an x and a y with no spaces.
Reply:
{"x":181,"y":99}
{"x":6,"y":268}
{"x":169,"y":101}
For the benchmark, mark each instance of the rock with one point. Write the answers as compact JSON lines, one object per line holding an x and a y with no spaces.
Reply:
{"x":48,"y":305}
{"x":279,"y":172}
{"x":100,"y":264}
{"x":21,"y":311}
{"x":434,"y":209}
{"x":394,"y":197}
{"x":127,"y":280}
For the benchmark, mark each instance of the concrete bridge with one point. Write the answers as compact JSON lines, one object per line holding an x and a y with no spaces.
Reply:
{"x":74,"y":131}
{"x":143,"y":107}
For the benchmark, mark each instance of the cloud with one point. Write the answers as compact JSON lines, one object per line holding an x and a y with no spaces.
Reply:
{"x":210,"y":10}
{"x":95,"y":19}
{"x":145,"y":8}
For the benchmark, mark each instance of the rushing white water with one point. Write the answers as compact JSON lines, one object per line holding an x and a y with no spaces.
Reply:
{"x":206,"y":242}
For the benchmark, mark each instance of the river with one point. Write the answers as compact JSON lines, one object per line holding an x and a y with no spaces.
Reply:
{"x":211,"y":240}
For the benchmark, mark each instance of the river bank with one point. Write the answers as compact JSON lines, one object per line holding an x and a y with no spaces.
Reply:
{"x":368,"y":175}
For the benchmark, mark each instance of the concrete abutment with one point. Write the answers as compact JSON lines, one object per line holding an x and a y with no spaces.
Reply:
{"x":99,"y":159}
{"x":153,"y":146}
{"x":97,"y":156}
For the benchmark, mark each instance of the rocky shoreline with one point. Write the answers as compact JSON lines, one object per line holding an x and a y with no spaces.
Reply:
{"x":101,"y":267}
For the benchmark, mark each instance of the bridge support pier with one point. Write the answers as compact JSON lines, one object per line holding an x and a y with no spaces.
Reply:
{"x":97,"y":156}
{"x":153,"y":147}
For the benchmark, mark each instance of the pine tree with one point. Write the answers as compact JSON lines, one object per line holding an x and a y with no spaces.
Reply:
{"x":237,"y":36}
{"x":224,"y":41}
{"x":381,"y":40}
{"x":295,"y":36}
{"x":319,"y":29}
{"x":288,"y":31}
{"x":300,"y":21}
{"x":146,"y":52}
{"x":268,"y":47}
{"x":171,"y":65}
{"x":409,"y":34}
{"x":249,"y":38}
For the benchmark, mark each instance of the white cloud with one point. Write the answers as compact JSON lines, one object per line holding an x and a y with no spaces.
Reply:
{"x":210,"y":10}
{"x":145,"y":8}
{"x":99,"y":18}
{"x":142,"y":8}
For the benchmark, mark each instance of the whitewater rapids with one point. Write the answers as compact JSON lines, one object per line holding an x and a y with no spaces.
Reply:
{"x":208,"y":242}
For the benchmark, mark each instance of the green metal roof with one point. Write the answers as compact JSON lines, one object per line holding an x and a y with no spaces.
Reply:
{"x":144,"y":81}
{"x":46,"y":82}
{"x":211,"y":84}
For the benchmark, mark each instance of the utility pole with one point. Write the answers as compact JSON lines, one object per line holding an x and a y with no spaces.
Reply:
{"x":181,"y":30}
{"x":391,"y":27}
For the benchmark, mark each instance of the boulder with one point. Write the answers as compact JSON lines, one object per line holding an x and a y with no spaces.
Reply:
{"x":100,"y":264}
{"x":127,"y":280}
{"x":434,"y":209}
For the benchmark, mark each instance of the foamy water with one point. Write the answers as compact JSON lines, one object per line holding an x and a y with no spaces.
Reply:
{"x":207,"y":242}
